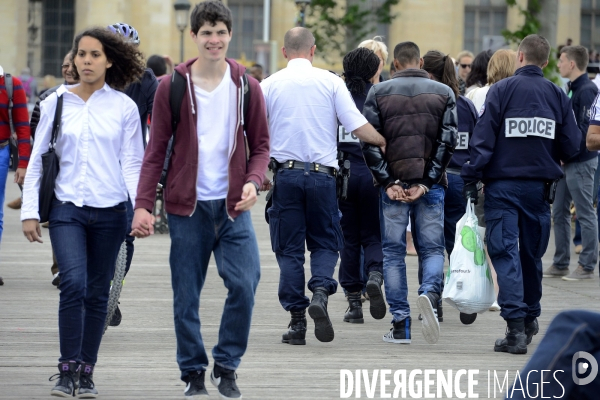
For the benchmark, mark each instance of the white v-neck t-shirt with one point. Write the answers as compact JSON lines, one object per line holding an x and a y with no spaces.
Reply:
{"x":215,"y":127}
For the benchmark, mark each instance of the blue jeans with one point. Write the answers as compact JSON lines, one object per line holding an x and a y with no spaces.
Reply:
{"x":570,"y":332}
{"x":233,"y":243}
{"x":86,"y":242}
{"x":305,"y":209}
{"x":4,"y":162}
{"x":518,"y":231}
{"x":428,"y":229}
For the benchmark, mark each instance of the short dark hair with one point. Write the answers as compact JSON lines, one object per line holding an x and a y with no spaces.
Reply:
{"x":210,"y":12}
{"x":157,"y":64}
{"x":536,"y":49}
{"x":257,"y":66}
{"x":298,"y":40}
{"x":579,"y":54}
{"x":478,"y":74}
{"x":406,"y":53}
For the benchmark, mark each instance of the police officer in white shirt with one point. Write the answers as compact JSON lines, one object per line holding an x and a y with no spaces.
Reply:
{"x":304,"y":104}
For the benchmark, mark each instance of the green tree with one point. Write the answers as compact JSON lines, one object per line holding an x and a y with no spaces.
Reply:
{"x":532,"y":25}
{"x":339,"y":26}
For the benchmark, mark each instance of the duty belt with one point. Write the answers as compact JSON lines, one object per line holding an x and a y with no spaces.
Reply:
{"x":314,"y":167}
{"x":4,"y":143}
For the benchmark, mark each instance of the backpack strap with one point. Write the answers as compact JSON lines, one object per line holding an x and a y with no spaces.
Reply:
{"x":176,"y":93}
{"x":8,"y":82}
{"x":246,"y":96}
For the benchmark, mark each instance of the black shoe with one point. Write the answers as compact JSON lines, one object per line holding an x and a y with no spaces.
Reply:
{"x":195,"y":388}
{"x":116,"y":318}
{"x":467,"y":319}
{"x":354,"y":313}
{"x":297,"y":332}
{"x":400,"y":333}
{"x":427,"y":303}
{"x":531,"y":328}
{"x":515,"y":341}
{"x":318,"y":312}
{"x":1,"y":281}
{"x":224,"y":380}
{"x":378,"y":307}
{"x":56,"y":279}
{"x":66,"y":379}
{"x":87,"y":389}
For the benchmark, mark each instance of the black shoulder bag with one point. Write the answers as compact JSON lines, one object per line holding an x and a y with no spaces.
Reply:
{"x":50,"y":167}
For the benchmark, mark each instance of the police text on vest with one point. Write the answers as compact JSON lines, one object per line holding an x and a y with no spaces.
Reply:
{"x":523,"y":127}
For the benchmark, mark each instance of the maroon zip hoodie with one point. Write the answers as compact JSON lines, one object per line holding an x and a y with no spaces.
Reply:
{"x":180,"y":191}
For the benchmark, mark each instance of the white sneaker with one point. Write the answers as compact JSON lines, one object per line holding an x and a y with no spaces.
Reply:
{"x":495,"y":307}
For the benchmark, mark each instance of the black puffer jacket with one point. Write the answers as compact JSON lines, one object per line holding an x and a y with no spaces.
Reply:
{"x":417,"y":117}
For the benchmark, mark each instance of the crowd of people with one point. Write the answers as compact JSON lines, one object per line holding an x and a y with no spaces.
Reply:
{"x":356,"y":161}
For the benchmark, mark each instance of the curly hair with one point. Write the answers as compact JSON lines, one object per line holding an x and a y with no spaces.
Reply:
{"x":127,"y":61}
{"x":360,"y":65}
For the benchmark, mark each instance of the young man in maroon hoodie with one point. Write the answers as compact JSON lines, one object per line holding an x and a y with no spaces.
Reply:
{"x":211,"y":185}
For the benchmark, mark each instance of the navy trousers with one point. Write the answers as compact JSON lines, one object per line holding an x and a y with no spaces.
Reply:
{"x":360,"y":224}
{"x":518,"y":230}
{"x":304,"y":210}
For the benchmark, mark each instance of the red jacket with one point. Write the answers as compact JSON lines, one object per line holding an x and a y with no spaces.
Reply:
{"x":180,"y":192}
{"x":20,"y":117}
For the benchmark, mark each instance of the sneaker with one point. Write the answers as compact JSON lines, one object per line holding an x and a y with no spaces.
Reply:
{"x":116,"y":318}
{"x":467,"y":319}
{"x":554,"y":272}
{"x":430,"y":324}
{"x":87,"y":389}
{"x":440,"y":313}
{"x":532,"y":328}
{"x":66,"y":379}
{"x":377,"y":302}
{"x":495,"y":306}
{"x":56,"y":279}
{"x":224,"y":380}
{"x":400,"y":332}
{"x":579,"y":274}
{"x":195,"y":388}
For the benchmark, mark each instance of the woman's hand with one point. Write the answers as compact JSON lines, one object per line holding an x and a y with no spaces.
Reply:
{"x":32,"y":231}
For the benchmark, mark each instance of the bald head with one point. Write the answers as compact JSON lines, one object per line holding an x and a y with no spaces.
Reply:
{"x":298,"y":41}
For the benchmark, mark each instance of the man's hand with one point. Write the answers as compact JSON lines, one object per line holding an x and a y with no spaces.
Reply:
{"x":396,"y":192}
{"x":20,"y":175}
{"x":143,"y":223}
{"x":266,"y":185}
{"x":470,"y":192}
{"x":414,"y":193}
{"x":248,"y":197}
{"x":32,"y":231}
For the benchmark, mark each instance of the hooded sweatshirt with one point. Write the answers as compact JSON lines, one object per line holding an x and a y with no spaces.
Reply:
{"x":247,"y":162}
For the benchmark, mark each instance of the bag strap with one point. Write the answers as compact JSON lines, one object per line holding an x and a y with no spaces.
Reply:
{"x":8,"y":82}
{"x":176,"y":93}
{"x":57,"y":121}
{"x":246,"y":97}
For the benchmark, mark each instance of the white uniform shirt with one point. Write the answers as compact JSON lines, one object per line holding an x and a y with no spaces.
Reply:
{"x":304,"y":104}
{"x":99,"y":147}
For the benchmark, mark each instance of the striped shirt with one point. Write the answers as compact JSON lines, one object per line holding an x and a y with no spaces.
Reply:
{"x":20,"y":118}
{"x":595,"y":111}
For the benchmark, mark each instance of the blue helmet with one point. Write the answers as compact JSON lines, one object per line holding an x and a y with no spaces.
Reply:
{"x":127,"y":31}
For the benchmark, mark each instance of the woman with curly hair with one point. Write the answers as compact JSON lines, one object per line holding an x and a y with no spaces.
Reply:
{"x":100,"y":152}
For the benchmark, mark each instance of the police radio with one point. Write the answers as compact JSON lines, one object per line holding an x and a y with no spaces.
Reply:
{"x":343,"y":175}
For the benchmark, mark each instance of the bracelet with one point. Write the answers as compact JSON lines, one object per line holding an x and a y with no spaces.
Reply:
{"x":425,"y":188}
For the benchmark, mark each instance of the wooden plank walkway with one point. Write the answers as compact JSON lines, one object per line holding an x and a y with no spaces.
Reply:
{"x":137,"y":359}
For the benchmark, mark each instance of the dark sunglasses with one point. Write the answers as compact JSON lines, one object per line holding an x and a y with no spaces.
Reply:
{"x":465,"y":66}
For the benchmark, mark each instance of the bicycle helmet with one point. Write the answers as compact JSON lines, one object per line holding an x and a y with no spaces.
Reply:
{"x":125,"y":30}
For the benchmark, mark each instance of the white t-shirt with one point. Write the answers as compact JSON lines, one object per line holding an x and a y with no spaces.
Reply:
{"x":304,"y":105}
{"x":215,"y":138}
{"x":478,"y":96}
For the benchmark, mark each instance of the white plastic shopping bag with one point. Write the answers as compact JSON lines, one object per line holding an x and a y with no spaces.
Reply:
{"x":469,"y":286}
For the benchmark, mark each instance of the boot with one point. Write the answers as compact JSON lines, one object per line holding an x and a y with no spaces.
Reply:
{"x":354,"y":313}
{"x":297,"y":332}
{"x":515,"y":341}
{"x":318,"y":312}
{"x":531,"y":328}
{"x":377,"y":302}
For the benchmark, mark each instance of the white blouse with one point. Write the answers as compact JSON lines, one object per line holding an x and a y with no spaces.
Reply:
{"x":99,"y":147}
